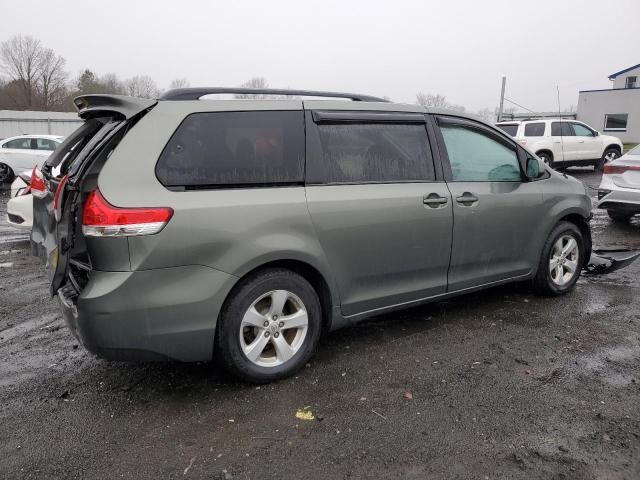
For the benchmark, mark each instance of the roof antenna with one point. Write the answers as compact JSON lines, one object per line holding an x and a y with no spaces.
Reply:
{"x":561,"y":124}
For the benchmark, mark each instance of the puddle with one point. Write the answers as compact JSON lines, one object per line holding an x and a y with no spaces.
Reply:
{"x":605,"y":363}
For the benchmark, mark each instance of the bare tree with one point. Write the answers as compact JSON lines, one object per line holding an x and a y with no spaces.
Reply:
{"x":52,"y":86}
{"x":255,"y":82}
{"x":21,"y":59}
{"x":179,"y":83}
{"x":486,"y":114}
{"x":141,"y":86}
{"x":433,"y":101}
{"x":112,"y":84}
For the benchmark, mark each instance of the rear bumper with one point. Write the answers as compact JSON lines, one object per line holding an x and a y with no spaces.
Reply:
{"x":19,"y":212}
{"x":168,"y":313}
{"x":614,"y":197}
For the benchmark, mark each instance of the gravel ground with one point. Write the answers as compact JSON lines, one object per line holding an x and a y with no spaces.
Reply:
{"x":499,"y":384}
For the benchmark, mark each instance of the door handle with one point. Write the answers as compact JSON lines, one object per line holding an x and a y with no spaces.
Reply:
{"x":434,"y":200}
{"x":467,"y":199}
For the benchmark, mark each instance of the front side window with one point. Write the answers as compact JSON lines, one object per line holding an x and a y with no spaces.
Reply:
{"x":46,"y":144}
{"x":581,"y":130}
{"x":18,"y":143}
{"x":218,"y":149}
{"x":616,"y":121}
{"x":476,"y":157}
{"x":631,"y":82}
{"x":561,"y":129}
{"x":374,"y":153}
{"x":534,"y":129}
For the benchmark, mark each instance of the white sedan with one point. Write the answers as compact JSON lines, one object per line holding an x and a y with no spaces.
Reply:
{"x":24,"y":152}
{"x":619,"y":190}
{"x":20,"y":205}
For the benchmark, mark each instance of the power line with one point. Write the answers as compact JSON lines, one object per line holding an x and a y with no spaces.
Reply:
{"x":518,"y":105}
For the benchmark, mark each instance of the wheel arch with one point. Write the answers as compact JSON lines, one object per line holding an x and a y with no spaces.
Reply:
{"x":306,"y":270}
{"x":545,"y":150}
{"x":613,"y":146}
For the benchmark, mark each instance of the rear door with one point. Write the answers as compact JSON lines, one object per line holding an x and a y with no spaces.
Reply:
{"x":382,"y":217}
{"x":53,"y":233}
{"x":495,"y":210}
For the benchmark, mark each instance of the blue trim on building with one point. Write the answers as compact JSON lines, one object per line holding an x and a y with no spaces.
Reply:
{"x":614,"y":75}
{"x":609,"y":90}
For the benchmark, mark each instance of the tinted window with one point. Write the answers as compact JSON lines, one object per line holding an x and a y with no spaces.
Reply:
{"x":19,"y":143}
{"x":561,"y":129}
{"x":235,"y":149}
{"x":46,"y":144}
{"x":509,"y":129}
{"x":476,"y":157}
{"x":615,"y":121}
{"x":534,"y":129}
{"x":581,"y":130}
{"x":375,"y":152}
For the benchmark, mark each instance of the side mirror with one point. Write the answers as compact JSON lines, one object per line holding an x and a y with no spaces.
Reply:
{"x":596,"y":133}
{"x":535,"y":168}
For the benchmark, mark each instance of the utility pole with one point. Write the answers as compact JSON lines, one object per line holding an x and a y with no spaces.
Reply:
{"x":504,"y":84}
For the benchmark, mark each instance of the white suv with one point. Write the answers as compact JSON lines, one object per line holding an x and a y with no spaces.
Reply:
{"x":24,"y":152}
{"x":564,"y":143}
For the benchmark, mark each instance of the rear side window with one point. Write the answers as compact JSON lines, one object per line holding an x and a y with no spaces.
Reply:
{"x":18,"y":143}
{"x":218,"y":149}
{"x":534,"y":129}
{"x":374,"y":153}
{"x":563,"y":129}
{"x":510,"y":128}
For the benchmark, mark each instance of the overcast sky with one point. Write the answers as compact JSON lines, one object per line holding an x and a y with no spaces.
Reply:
{"x":395,"y":48}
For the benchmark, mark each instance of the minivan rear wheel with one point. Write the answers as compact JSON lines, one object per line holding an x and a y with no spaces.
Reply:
{"x":561,"y":261}
{"x":269,"y":327}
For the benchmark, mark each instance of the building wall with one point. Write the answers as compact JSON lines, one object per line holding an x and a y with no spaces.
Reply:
{"x":13,"y":122}
{"x":593,"y":105}
{"x":621,"y":80}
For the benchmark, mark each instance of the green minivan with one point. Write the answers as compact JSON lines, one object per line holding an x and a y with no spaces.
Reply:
{"x":190,"y":226}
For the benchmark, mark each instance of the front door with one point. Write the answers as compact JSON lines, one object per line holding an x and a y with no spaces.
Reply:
{"x":383,"y":221}
{"x":495,"y":210}
{"x":588,"y":147}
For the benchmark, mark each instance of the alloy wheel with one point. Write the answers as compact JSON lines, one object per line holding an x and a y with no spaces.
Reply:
{"x":273,"y":328}
{"x":563,"y":263}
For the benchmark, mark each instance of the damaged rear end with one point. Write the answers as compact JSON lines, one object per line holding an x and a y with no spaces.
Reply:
{"x":71,"y":218}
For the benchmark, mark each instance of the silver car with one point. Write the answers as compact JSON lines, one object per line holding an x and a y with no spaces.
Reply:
{"x":619,"y":190}
{"x":188,"y":228}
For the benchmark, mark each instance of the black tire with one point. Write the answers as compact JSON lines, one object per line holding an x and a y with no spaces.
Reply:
{"x":228,"y":343}
{"x":6,"y":174}
{"x":618,"y":216}
{"x":543,"y":282}
{"x":546,"y":158}
{"x":612,"y":153}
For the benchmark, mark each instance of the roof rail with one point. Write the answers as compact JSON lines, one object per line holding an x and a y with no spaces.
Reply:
{"x":196,"y":93}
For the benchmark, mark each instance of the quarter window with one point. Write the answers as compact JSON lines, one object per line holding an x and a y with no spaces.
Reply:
{"x":561,"y":129}
{"x":235,"y":149}
{"x":508,"y":128}
{"x":616,"y":121}
{"x":581,"y":130}
{"x":534,"y":129}
{"x":476,"y":157}
{"x":374,"y":153}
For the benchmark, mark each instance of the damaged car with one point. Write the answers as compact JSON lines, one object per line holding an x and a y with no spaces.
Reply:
{"x":188,"y":227}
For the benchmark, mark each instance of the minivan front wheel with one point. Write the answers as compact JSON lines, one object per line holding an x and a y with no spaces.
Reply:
{"x":561,"y":261}
{"x":270,"y":326}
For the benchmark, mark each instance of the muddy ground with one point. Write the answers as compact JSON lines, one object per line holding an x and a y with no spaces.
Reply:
{"x":504,"y":384}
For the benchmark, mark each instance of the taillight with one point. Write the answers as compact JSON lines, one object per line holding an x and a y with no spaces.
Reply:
{"x":57,"y":202}
{"x":616,"y":168}
{"x":38,"y":187}
{"x":101,"y":219}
